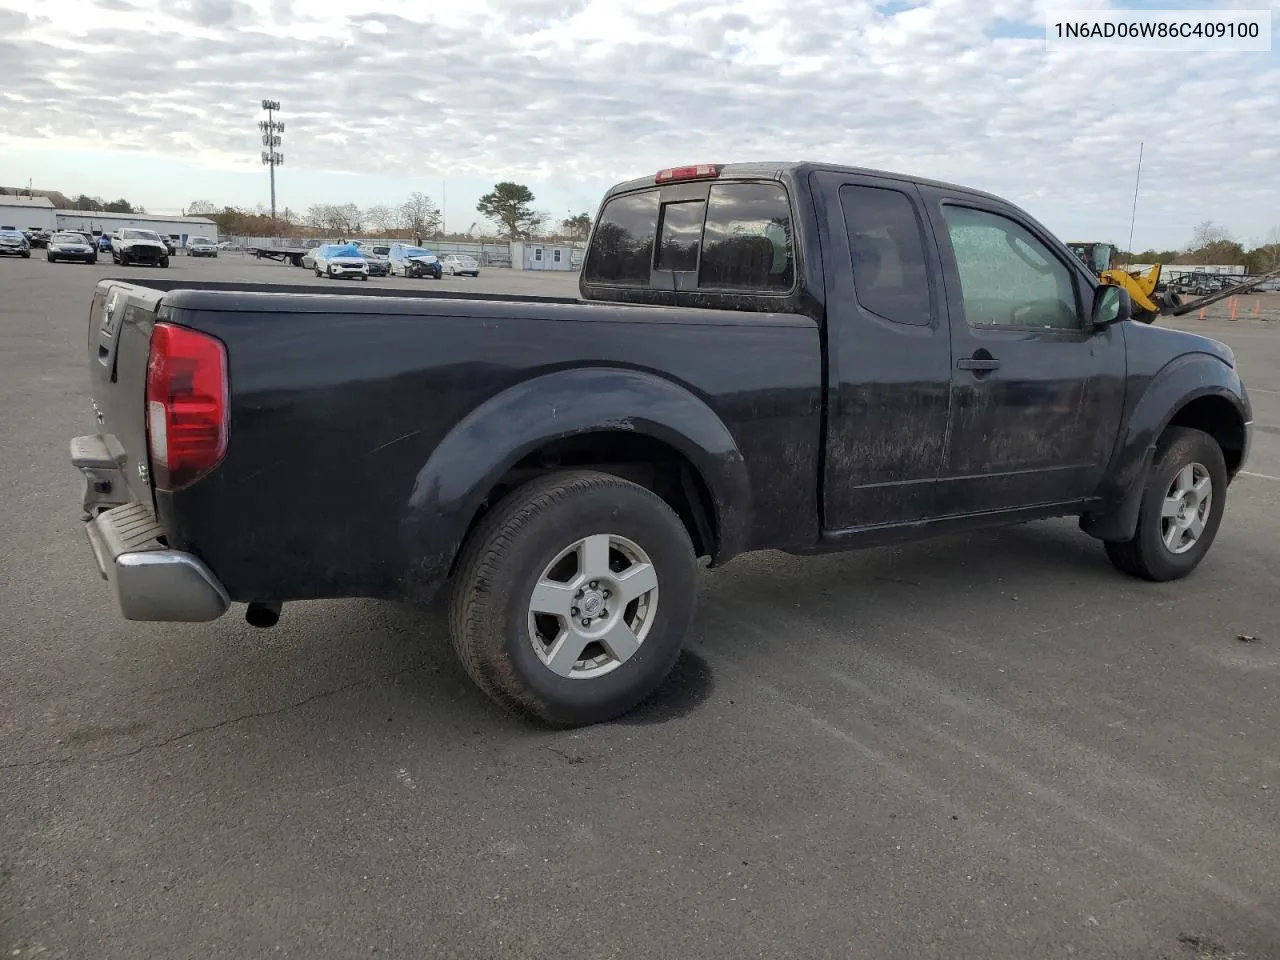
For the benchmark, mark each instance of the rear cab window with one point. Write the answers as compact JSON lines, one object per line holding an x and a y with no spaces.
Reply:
{"x":706,"y":237}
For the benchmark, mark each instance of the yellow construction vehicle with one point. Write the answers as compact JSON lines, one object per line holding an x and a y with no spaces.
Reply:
{"x":1149,"y":301}
{"x":1144,"y":289}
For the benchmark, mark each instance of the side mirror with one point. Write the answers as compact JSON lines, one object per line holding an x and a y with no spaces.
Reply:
{"x":1111,"y":304}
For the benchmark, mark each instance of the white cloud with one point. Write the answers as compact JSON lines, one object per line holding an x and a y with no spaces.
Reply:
{"x":601,"y":90}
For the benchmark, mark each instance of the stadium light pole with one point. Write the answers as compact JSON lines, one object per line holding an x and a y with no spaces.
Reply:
{"x":271,"y":158}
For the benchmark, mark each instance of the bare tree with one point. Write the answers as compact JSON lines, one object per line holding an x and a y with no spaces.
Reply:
{"x":1208,"y":232}
{"x":318,"y":216}
{"x":1272,"y":248}
{"x":345,"y":219}
{"x":420,"y":215}
{"x":380,"y":217}
{"x":201,"y":208}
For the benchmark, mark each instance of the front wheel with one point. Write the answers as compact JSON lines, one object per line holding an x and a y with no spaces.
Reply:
{"x":164,"y":261}
{"x":1181,"y":510}
{"x":573,"y":597}
{"x":50,"y":257}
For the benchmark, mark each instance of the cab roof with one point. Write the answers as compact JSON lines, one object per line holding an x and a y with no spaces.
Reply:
{"x":800,"y":169}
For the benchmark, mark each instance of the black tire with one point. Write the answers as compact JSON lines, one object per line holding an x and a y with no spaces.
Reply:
{"x":124,"y":260}
{"x":93,"y":259}
{"x":1146,"y":556}
{"x":318,"y":273}
{"x":26,"y":254}
{"x":50,"y":257}
{"x":507,"y":554}
{"x":164,"y":261}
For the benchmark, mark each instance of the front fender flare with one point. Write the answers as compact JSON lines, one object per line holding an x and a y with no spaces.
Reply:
{"x":451,"y":486}
{"x":1177,"y":384}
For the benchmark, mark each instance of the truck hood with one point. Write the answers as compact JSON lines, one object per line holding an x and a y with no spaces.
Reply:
{"x":142,"y":243}
{"x":1151,"y":339}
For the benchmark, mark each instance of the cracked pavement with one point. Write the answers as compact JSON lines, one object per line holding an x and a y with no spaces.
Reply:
{"x":989,"y":746}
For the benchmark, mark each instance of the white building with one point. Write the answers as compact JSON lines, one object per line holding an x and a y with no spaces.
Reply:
{"x":532,"y":255}
{"x":26,"y":213}
{"x":176,"y":228}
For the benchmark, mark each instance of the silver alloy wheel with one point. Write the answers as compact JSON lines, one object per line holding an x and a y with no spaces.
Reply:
{"x":1186,"y":507}
{"x":593,"y":606}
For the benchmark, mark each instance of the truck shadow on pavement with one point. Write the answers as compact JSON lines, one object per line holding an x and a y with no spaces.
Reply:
{"x":345,"y":661}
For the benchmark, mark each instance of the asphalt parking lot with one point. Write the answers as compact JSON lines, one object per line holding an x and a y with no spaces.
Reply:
{"x":990,"y":746}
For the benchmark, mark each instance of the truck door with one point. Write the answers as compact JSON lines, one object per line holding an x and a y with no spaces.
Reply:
{"x":1036,"y":395}
{"x":889,"y":352}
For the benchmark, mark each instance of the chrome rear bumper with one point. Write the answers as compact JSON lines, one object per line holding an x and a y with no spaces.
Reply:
{"x":150,"y":580}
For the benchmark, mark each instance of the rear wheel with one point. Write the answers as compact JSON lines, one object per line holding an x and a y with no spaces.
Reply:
{"x":1182,"y":507}
{"x":572,"y":598}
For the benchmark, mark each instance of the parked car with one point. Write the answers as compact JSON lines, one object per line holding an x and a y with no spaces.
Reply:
{"x":799,"y":357}
{"x":411,"y":261}
{"x":460,"y":264}
{"x":104,"y":243}
{"x":39,"y":239}
{"x":339,"y":261}
{"x":170,"y":244}
{"x":131,"y":245}
{"x":378,"y":258}
{"x":71,"y":246}
{"x":14,"y":243}
{"x":201,"y":247}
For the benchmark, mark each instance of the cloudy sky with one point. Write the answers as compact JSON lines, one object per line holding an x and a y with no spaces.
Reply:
{"x":157,"y":101}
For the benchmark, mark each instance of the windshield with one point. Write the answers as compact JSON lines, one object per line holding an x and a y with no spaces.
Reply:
{"x":68,"y":238}
{"x":417,"y":252}
{"x":139,"y":235}
{"x":201,"y":240}
{"x":342,"y":250}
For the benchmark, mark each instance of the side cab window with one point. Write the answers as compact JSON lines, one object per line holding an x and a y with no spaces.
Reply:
{"x":1008,"y":277}
{"x":887,"y":246}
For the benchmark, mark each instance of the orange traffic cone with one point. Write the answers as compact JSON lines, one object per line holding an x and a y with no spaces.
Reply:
{"x":1257,"y":308}
{"x":1202,"y":313}
{"x":1235,"y":304}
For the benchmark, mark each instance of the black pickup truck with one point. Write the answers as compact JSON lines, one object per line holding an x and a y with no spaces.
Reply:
{"x":801,"y":357}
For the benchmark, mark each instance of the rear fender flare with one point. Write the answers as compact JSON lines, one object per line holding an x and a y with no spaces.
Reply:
{"x":451,"y":486}
{"x":1186,"y":379}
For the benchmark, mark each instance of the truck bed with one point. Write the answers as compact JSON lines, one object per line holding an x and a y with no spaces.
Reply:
{"x":333,"y":483}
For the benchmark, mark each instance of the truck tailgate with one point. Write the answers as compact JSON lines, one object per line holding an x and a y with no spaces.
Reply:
{"x":121,"y":319}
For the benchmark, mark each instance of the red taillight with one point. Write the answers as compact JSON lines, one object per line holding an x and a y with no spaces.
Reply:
{"x":698,"y":171}
{"x":186,"y":405}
